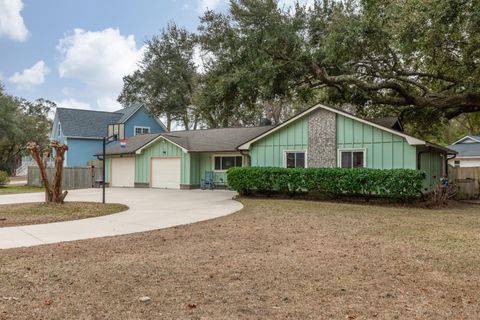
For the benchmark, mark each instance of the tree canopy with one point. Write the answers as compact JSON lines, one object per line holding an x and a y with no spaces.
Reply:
{"x":415,"y":59}
{"x":165,"y":79}
{"x":21,"y":121}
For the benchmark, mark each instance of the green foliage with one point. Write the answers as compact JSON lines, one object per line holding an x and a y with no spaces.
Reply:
{"x":165,"y":81}
{"x":391,"y":183}
{"x":21,"y":121}
{"x":415,"y":59}
{"x":3,"y":178}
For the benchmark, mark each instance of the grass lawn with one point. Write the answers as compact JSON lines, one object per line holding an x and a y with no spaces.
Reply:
{"x":11,"y":189}
{"x":34,"y":213}
{"x":275,"y":259}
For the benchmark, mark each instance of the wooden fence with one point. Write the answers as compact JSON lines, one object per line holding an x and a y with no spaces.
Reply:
{"x":73,"y":177}
{"x":468,"y":181}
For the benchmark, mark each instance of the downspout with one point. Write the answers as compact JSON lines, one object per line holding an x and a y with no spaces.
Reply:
{"x":446,"y":162}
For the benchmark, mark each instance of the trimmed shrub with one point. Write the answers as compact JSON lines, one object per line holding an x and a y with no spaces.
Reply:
{"x":3,"y":178}
{"x":390,"y":183}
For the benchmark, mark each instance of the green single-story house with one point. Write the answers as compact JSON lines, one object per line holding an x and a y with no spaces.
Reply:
{"x":321,"y":136}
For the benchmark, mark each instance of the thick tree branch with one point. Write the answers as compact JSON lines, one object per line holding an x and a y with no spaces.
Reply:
{"x":392,"y":92}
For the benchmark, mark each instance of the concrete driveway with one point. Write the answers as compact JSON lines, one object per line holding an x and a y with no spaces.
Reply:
{"x":150,"y":209}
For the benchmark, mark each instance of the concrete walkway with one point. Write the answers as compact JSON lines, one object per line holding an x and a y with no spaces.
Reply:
{"x":150,"y":209}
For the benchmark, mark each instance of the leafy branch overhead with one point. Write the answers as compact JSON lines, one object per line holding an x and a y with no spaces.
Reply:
{"x":417,"y":59}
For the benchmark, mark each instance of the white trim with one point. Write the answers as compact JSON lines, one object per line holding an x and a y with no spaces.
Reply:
{"x":139,"y":151}
{"x":295,"y":151}
{"x":140,"y":127}
{"x":79,"y":137}
{"x":65,"y":162}
{"x":339,"y":155}
{"x":238,"y":154}
{"x":467,"y":157}
{"x":247,"y":144}
{"x":466,"y":137}
{"x":411,"y":140}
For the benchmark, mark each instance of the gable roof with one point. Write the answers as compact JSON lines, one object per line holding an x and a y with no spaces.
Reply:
{"x":470,"y":137}
{"x":128,"y":112}
{"x":86,"y":123}
{"x":134,"y":143}
{"x":205,"y":140}
{"x":466,"y":149}
{"x":388,"y":122}
{"x":410,"y":139}
{"x":81,"y":123}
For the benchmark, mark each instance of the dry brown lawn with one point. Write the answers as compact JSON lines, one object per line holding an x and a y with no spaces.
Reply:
{"x":35,"y":213}
{"x":276,"y":259}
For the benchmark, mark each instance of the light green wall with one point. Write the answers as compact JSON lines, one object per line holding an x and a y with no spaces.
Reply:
{"x":384,"y":149}
{"x":432,"y":163}
{"x":204,"y":162}
{"x":269,"y":151}
{"x":161,"y":148}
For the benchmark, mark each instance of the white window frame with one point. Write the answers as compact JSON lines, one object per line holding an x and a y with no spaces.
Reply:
{"x":294,"y":151}
{"x":226,"y":155}
{"x":339,"y":155}
{"x":59,"y":130}
{"x":140,"y":127}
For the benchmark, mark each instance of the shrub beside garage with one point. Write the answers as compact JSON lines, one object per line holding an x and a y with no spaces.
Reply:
{"x":399,"y":184}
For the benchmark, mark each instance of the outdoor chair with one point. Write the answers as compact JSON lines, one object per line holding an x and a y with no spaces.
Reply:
{"x":207,"y":182}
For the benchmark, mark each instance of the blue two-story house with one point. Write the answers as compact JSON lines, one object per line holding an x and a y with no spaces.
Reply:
{"x":83,"y":130}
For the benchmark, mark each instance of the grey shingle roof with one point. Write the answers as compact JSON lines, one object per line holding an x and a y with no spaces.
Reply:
{"x":466,"y":149}
{"x":388,"y":122}
{"x":208,"y":140}
{"x":86,"y":123}
{"x":133,"y":144}
{"x":128,"y":111}
{"x":211,"y":140}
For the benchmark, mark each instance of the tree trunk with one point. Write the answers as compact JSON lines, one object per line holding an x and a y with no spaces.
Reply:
{"x":53,"y":194}
{"x":57,"y":195}
{"x":35,"y":152}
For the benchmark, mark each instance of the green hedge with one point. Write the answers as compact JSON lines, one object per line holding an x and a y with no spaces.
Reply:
{"x":3,"y":178}
{"x":391,"y":183}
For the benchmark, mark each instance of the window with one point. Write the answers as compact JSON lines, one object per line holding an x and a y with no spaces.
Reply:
{"x":141,"y":130}
{"x":295,"y":159}
{"x":457,"y":163}
{"x":59,"y":131}
{"x":226,"y":162}
{"x":352,"y":158}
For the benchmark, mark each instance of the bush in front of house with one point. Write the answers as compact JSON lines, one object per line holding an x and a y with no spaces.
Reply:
{"x":4,"y":178}
{"x":334,"y":182}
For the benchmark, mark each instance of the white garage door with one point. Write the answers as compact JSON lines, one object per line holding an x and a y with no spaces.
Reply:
{"x":123,"y":172}
{"x":166,"y":173}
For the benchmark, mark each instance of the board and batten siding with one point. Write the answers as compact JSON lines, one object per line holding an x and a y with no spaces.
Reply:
{"x":433,"y":164}
{"x":270,"y":151}
{"x":159,"y":149}
{"x":384,"y":149}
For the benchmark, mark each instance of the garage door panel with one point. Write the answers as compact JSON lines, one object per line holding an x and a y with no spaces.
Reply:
{"x":166,"y":173}
{"x":123,"y":172}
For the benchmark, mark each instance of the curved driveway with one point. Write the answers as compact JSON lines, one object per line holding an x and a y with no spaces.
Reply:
{"x":150,"y":209}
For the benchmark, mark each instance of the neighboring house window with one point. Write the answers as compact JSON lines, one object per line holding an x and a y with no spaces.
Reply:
{"x":141,"y":130}
{"x":295,"y":159}
{"x":226,"y":162}
{"x":352,"y":158}
{"x":59,"y":130}
{"x":457,"y":163}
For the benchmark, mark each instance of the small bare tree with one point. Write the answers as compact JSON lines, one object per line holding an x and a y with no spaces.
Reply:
{"x":53,"y":192}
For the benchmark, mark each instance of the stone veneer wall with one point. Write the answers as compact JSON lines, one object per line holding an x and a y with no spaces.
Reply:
{"x":322,"y":144}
